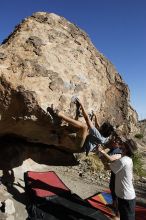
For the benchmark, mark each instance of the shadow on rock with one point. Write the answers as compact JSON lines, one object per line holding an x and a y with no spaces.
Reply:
{"x":14,"y":151}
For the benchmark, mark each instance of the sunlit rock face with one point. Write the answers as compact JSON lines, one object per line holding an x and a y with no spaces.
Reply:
{"x":142,"y":128}
{"x":48,"y":60}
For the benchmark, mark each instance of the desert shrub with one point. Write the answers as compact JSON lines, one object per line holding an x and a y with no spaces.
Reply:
{"x":93,"y":162}
{"x":139,"y":136}
{"x":96,"y":164}
{"x":138,"y":164}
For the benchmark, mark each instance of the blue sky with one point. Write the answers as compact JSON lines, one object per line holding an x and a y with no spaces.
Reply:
{"x":117,"y":28}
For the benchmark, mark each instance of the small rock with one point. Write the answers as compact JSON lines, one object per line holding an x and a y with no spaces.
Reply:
{"x":143,"y":179}
{"x":80,"y":174}
{"x":11,"y":217}
{"x":9,"y":207}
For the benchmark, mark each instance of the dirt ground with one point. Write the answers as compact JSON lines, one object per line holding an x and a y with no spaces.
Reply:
{"x":74,"y":170}
{"x":81,"y":186}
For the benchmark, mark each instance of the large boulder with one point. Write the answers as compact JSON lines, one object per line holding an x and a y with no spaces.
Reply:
{"x":48,"y":60}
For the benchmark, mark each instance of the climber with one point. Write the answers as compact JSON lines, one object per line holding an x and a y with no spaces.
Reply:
{"x":87,"y":136}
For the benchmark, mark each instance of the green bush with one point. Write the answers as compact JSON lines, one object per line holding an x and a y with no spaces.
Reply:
{"x":139,"y":136}
{"x":138,"y":164}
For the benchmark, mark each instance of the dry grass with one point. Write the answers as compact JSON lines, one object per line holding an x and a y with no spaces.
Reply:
{"x":92,"y":161}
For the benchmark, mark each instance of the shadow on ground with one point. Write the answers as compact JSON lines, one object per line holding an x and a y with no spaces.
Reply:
{"x":14,"y":151}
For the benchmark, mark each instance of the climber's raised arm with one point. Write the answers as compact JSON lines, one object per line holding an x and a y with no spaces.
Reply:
{"x":85,"y":115}
{"x":96,"y":121}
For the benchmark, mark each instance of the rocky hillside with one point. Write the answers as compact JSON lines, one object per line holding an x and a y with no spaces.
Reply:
{"x":142,"y":126}
{"x":47,"y":60}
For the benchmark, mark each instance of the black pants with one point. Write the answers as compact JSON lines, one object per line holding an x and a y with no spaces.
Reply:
{"x":112,"y":186}
{"x":126,"y":209}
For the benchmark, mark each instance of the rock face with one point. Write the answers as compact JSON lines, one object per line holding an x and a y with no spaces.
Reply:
{"x":47,"y":60}
{"x":142,"y":126}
